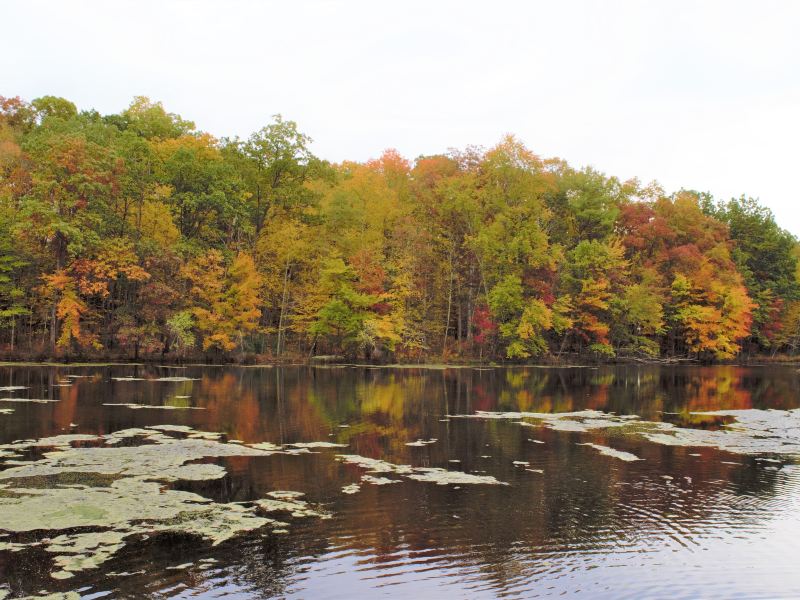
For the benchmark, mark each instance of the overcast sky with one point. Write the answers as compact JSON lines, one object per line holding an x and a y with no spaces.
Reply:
{"x":701,"y":95}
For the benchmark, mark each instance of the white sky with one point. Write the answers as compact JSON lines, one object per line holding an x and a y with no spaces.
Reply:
{"x":701,"y":95}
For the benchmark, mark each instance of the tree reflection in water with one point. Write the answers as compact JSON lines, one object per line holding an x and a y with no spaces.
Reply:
{"x":588,"y":522}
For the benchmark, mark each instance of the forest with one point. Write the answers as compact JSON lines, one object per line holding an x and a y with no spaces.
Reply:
{"x":137,"y":236}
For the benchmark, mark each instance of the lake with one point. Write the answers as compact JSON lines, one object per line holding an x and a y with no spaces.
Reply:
{"x":363,"y":482}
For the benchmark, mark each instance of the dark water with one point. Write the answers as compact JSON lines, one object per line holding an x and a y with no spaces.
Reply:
{"x":682,"y":523}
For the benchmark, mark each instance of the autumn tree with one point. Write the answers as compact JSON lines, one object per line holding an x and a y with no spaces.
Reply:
{"x":225,"y":300}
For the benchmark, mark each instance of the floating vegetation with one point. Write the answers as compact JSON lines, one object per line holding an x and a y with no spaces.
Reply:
{"x":178,"y":428}
{"x":174,"y":379}
{"x":32,"y":400}
{"x":293,"y":506}
{"x":317,"y":445}
{"x":265,"y":446}
{"x":353,"y":488}
{"x":285,"y":495}
{"x":421,"y":443}
{"x":56,"y":596}
{"x":160,"y":406}
{"x":371,"y":479}
{"x":606,"y":451}
{"x":751,"y":431}
{"x":427,"y":474}
{"x":135,"y":503}
{"x":57,"y":441}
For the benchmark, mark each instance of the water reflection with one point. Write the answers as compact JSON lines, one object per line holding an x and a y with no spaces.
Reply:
{"x":683,"y":522}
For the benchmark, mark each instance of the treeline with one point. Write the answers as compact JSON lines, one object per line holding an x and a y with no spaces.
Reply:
{"x":136,"y":235}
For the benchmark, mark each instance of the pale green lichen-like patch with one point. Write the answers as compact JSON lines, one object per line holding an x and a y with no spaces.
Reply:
{"x":296,"y":508}
{"x":131,"y":500}
{"x":753,"y":431}
{"x":375,"y":465}
{"x":163,"y":460}
{"x":12,"y":388}
{"x":421,"y":443}
{"x":57,"y":441}
{"x":378,"y":480}
{"x":285,"y":495}
{"x":445,"y":477}
{"x":177,"y":428}
{"x":426,"y":474}
{"x":620,"y":454}
{"x":56,"y":596}
{"x":317,"y":445}
{"x":352,"y":488}
{"x":31,"y":400}
{"x":204,"y":435}
{"x":14,"y":547}
{"x":265,"y":446}
{"x":159,"y":406}
{"x":6,"y":411}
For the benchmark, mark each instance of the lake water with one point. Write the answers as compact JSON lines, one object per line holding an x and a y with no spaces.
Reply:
{"x":598,"y":503}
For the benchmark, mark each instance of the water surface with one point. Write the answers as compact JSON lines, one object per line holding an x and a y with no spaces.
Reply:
{"x":681,"y":521}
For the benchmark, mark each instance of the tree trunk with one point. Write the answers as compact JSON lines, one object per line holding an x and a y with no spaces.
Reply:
{"x":449,"y":306}
{"x":283,"y":308}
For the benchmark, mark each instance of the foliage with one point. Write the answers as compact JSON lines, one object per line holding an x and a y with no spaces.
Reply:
{"x":136,"y":233}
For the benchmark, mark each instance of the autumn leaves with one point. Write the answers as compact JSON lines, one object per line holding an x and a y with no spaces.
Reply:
{"x":135,"y":234}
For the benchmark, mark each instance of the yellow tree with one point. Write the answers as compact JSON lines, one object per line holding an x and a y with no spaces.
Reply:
{"x":225,"y":301}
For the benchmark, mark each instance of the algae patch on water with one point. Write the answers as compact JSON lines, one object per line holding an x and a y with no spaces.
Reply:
{"x":117,"y":492}
{"x":421,"y":443}
{"x":426,"y":474}
{"x":613,"y":453}
{"x":158,"y":406}
{"x":751,"y":431}
{"x":31,"y":400}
